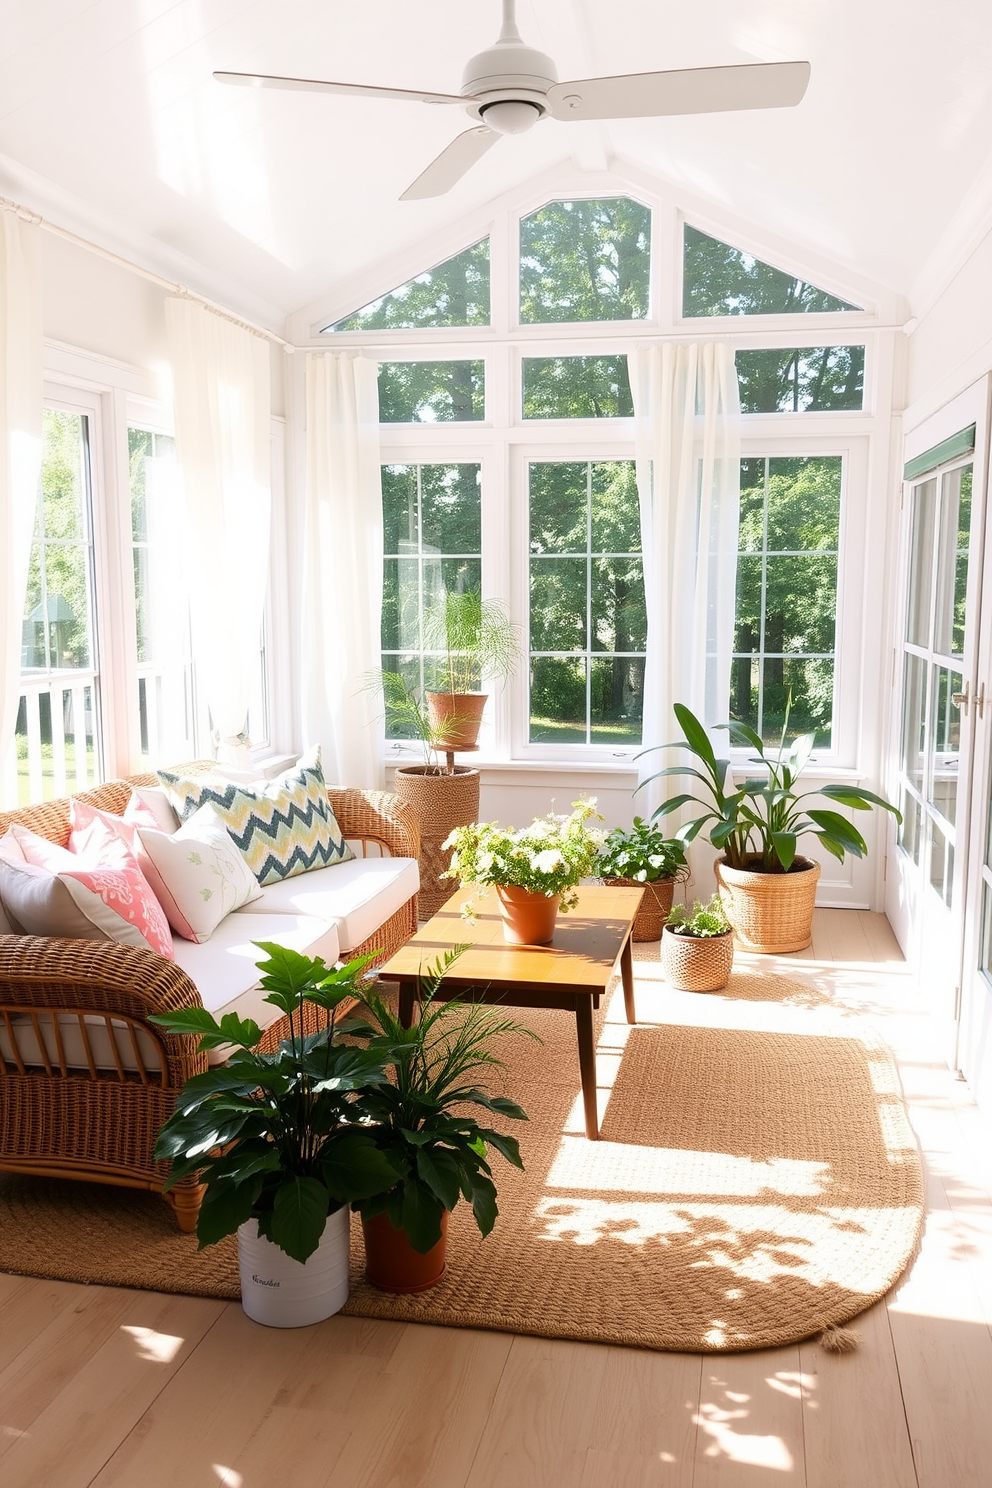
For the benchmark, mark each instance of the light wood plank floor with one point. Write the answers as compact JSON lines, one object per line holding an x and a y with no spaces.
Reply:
{"x":107,"y":1387}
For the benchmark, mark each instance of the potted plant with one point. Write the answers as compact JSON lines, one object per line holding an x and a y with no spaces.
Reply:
{"x":424,"y":1125}
{"x":477,"y":640}
{"x":535,"y":870}
{"x":281,"y":1140}
{"x":769,"y":891}
{"x":697,"y":947}
{"x":643,"y":857}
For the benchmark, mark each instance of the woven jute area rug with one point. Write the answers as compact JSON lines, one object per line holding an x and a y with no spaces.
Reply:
{"x":757,"y":1181}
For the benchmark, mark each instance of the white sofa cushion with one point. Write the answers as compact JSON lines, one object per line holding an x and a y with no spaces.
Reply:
{"x":357,"y":897}
{"x":225,"y":968}
{"x":197,"y":872}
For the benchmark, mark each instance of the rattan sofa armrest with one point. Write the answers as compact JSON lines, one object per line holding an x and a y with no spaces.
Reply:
{"x":100,"y":976}
{"x":377,"y":816}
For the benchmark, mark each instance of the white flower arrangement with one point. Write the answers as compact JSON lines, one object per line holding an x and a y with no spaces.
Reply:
{"x":549,"y":857}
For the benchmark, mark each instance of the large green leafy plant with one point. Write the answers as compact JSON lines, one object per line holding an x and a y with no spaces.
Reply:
{"x":758,"y":823}
{"x":475,"y":637}
{"x":281,"y":1137}
{"x":422,"y":1120}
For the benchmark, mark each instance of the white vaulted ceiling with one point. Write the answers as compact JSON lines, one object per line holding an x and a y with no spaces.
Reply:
{"x":111,"y":123}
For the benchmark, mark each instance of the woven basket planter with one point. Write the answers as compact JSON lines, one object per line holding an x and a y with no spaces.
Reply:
{"x":697,"y":963}
{"x":441,"y":802}
{"x":771,"y":913}
{"x":655,"y":906}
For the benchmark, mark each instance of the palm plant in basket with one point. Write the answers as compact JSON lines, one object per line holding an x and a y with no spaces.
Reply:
{"x":424,"y":1124}
{"x":757,"y":825}
{"x":280,"y":1138}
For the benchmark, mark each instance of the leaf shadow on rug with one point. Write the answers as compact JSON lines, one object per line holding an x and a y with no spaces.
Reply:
{"x":753,"y":1186}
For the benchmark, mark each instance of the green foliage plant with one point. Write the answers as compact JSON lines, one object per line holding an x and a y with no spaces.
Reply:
{"x":757,"y":824}
{"x":549,"y":857}
{"x":704,"y":921}
{"x":476,"y":638}
{"x":422,"y":1120}
{"x":642,"y":853}
{"x":280,"y":1137}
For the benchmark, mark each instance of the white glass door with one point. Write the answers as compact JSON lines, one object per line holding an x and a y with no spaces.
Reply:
{"x":936,"y":668}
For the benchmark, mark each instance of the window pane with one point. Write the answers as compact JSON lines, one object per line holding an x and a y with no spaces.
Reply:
{"x":941,"y":864}
{"x":619,"y":618}
{"x":786,"y":610}
{"x":56,"y":627}
{"x":453,"y":293}
{"x":914,"y":719}
{"x":616,"y":700}
{"x":451,"y":514}
{"x":721,"y":280}
{"x":558,"y":604}
{"x":804,"y":504}
{"x":908,"y":835}
{"x":585,"y":260}
{"x":576,"y":387}
{"x":952,"y":560}
{"x":616,"y":513}
{"x":400,"y":509}
{"x":431,"y":392}
{"x":924,"y":499}
{"x":802,"y":380}
{"x":586,"y":595}
{"x":558,"y":700}
{"x":946,"y":733}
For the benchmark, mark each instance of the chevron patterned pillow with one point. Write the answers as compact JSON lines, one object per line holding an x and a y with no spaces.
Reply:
{"x":283,"y":826}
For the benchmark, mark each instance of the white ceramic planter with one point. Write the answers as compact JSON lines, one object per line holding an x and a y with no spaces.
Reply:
{"x":283,"y":1293}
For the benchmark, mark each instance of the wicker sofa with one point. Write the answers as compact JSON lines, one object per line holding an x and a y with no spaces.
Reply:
{"x":89,"y":1102}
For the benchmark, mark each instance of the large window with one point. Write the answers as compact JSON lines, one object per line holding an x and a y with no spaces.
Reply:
{"x":508,"y":465}
{"x":57,"y":735}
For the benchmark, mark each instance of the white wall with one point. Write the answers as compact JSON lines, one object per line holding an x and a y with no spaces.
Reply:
{"x":951,"y":347}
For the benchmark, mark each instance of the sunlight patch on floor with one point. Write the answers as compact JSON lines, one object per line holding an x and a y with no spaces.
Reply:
{"x":156,"y":1348}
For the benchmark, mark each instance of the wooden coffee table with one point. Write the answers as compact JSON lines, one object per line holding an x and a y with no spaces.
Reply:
{"x":572,"y":973}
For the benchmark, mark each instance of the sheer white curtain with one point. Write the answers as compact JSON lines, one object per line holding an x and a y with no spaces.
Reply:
{"x":343,"y":567}
{"x":20,"y":452}
{"x":220,"y":377}
{"x":687,"y":433}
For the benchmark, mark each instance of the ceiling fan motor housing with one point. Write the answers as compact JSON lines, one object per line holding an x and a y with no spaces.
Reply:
{"x":508,"y":72}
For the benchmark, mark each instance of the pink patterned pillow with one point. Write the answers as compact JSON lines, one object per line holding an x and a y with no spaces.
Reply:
{"x":106,"y":884}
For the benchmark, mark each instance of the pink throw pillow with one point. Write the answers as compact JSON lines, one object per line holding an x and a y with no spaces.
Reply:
{"x":106,"y":883}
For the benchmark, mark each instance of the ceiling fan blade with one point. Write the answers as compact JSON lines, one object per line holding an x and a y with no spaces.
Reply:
{"x":317,"y":85}
{"x":452,"y":163}
{"x":690,"y":90}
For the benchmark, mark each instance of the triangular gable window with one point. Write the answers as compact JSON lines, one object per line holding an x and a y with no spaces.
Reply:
{"x":453,"y":293}
{"x":718,"y":279}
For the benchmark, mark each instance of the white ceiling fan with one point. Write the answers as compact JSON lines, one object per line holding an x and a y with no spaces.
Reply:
{"x":510,"y":87}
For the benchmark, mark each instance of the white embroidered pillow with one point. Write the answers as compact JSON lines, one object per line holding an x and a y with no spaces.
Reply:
{"x":198,"y":873}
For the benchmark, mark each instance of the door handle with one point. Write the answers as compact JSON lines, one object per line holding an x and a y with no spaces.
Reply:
{"x":962,"y":699}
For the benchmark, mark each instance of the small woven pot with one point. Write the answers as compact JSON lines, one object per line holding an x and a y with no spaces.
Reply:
{"x":441,"y":802}
{"x":528,"y":918}
{"x":772,"y":913}
{"x":655,"y":908}
{"x":696,"y":963}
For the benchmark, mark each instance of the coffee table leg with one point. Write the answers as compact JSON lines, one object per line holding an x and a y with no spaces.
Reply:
{"x":587,"y":1066}
{"x":406,"y":1003}
{"x":627,"y":977}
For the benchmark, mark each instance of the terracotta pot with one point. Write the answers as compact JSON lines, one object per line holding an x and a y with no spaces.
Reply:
{"x":655,"y":908}
{"x":696,"y":963}
{"x":528,"y":918}
{"x":455,"y":718}
{"x":392,"y":1264}
{"x":771,"y":913}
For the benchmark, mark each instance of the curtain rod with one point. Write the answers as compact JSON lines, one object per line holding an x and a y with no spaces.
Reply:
{"x":125,"y":263}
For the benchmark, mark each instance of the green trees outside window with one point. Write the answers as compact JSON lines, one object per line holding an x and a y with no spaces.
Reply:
{"x":453,"y":293}
{"x":585,"y":260}
{"x":718,"y":279}
{"x":810,"y":379}
{"x":588,"y":626}
{"x":576,"y":387}
{"x":432,"y":392}
{"x":786,"y":619}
